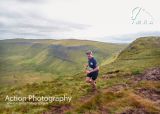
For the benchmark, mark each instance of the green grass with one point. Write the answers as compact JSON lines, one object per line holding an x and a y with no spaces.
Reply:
{"x":141,"y":54}
{"x":57,"y":57}
{"x":134,"y":59}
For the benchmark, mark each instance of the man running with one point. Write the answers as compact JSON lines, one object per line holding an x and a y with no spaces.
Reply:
{"x":92,"y":70}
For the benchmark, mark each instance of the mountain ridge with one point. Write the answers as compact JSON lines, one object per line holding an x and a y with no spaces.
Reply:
{"x":58,"y":57}
{"x":124,"y":86}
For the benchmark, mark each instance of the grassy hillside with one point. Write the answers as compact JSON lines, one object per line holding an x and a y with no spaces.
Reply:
{"x":141,"y":54}
{"x":128,"y":85}
{"x":32,"y":58}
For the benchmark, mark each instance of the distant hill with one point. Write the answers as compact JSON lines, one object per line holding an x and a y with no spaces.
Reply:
{"x":122,"y":85}
{"x":142,"y":53}
{"x":19,"y":57}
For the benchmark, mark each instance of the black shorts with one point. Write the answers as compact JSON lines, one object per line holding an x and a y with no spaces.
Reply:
{"x":93,"y":75}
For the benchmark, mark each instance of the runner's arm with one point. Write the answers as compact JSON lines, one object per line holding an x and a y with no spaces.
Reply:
{"x":95,"y":69}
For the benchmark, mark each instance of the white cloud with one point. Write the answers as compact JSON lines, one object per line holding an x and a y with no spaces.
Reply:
{"x":83,"y":19}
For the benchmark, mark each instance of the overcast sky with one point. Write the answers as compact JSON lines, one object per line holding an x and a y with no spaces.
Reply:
{"x":102,"y":20}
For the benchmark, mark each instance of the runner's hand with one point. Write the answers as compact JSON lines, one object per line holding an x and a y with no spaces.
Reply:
{"x":85,"y":65}
{"x":87,"y":71}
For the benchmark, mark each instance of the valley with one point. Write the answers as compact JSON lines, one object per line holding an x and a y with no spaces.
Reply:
{"x":129,"y":84}
{"x":37,"y":60}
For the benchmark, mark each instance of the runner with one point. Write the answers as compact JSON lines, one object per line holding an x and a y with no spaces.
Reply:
{"x":92,"y":70}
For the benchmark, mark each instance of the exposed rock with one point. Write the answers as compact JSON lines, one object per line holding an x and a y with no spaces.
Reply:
{"x":149,"y":74}
{"x":136,"y":111}
{"x":151,"y":94}
{"x":58,"y":109}
{"x":117,"y":88}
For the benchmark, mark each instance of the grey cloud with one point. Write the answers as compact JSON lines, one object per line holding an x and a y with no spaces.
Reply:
{"x":28,"y":1}
{"x":127,"y":38}
{"x":29,"y":23}
{"x":31,"y":0}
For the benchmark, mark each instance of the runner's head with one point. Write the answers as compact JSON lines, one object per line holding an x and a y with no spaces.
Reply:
{"x":89,"y":54}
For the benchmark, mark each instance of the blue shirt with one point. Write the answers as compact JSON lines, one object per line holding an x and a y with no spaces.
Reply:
{"x":92,"y":63}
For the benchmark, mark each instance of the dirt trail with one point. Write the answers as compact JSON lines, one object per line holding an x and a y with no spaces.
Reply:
{"x":149,"y":74}
{"x":64,"y":108}
{"x":153,"y":95}
{"x":136,"y":111}
{"x":58,"y":109}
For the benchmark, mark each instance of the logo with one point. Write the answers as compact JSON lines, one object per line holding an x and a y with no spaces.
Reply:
{"x":141,"y":16}
{"x":91,"y":63}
